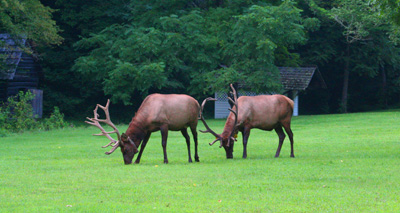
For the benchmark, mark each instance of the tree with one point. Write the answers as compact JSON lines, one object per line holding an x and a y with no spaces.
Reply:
{"x":358,"y":19}
{"x":191,"y":46}
{"x":391,"y":9}
{"x":257,"y":36}
{"x":77,"y":19}
{"x":29,"y":19}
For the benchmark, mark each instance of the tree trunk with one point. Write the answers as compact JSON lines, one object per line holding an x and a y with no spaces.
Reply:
{"x":384,"y":88}
{"x":346,"y":81}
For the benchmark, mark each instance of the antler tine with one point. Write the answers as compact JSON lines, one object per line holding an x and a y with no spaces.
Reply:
{"x":204,"y":103}
{"x":112,"y":150}
{"x":95,"y":121}
{"x":203,"y":120}
{"x":212,"y":143}
{"x":235,"y":112}
{"x":108,"y":119}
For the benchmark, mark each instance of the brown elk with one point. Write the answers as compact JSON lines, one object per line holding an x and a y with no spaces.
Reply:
{"x":157,"y":112}
{"x":265,"y":112}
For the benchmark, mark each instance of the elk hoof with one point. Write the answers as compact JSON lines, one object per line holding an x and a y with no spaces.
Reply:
{"x":197,"y":159}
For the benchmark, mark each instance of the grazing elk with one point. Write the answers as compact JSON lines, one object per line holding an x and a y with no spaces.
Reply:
{"x":157,"y":112}
{"x":265,"y":112}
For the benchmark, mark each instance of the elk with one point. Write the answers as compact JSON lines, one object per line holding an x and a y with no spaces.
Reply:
{"x":158,"y":112}
{"x":265,"y":112}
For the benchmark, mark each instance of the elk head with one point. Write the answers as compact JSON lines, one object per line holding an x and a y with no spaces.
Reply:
{"x":128,"y":147}
{"x":228,"y":136}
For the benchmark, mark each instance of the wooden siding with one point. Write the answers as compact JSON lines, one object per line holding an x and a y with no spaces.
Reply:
{"x":21,"y":69}
{"x":37,"y":103}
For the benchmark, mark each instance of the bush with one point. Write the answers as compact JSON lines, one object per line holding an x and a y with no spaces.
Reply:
{"x":16,"y":115}
{"x":55,"y":121}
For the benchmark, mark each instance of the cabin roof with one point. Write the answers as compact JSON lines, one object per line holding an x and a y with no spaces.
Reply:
{"x":10,"y":55}
{"x":299,"y":78}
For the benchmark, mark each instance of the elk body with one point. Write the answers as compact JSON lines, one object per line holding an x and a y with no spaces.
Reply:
{"x":157,"y":113}
{"x":265,"y":112}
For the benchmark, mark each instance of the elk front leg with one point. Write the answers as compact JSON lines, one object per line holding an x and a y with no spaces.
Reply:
{"x":146,"y":138}
{"x":246,"y":135}
{"x":164,"y":136}
{"x":187,"y":138}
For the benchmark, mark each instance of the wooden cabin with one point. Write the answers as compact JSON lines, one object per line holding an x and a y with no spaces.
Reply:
{"x":19,"y":71}
{"x":293,"y":79}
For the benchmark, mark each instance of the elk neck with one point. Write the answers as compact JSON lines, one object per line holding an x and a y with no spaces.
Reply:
{"x":229,"y":126}
{"x":137,"y":129}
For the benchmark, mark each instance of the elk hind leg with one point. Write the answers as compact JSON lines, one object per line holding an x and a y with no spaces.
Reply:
{"x":281,"y":136}
{"x":194,"y":133}
{"x":164,"y":136}
{"x":246,"y":135}
{"x":187,"y":138}
{"x":290,"y":134}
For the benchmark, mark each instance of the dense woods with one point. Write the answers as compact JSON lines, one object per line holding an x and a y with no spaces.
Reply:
{"x":126,"y":49}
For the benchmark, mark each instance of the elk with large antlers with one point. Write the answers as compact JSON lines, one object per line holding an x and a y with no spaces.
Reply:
{"x":265,"y":112}
{"x":157,"y":112}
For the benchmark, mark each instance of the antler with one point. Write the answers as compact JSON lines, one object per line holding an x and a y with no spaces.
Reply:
{"x":234,"y":102}
{"x":218,"y":137}
{"x":95,"y":121}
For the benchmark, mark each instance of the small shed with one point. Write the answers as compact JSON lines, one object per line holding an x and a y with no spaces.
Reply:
{"x":294,"y":79}
{"x":19,"y":71}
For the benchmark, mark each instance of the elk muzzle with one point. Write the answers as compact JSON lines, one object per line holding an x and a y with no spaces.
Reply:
{"x":229,"y":151}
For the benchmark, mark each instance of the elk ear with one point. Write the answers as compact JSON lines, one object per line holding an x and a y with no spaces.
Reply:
{"x":124,"y":138}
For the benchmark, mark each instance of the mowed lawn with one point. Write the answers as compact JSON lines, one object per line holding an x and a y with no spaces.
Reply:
{"x":344,"y":163}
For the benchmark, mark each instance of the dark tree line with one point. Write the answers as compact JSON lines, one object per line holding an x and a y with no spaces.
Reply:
{"x":126,"y":49}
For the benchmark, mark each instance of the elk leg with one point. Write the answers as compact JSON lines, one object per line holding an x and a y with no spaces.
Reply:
{"x":146,"y":138}
{"x":282,"y":136}
{"x":194,"y":133}
{"x":164,"y":136}
{"x":246,"y":135}
{"x":290,"y":134}
{"x":186,"y":135}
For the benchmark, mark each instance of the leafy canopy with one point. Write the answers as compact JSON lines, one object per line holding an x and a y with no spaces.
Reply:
{"x":186,"y":47}
{"x":29,"y":19}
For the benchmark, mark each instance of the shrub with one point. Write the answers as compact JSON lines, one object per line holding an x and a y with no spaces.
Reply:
{"x":16,"y":115}
{"x":55,"y":121}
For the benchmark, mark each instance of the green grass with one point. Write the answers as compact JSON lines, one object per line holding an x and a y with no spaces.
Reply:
{"x":344,"y":163}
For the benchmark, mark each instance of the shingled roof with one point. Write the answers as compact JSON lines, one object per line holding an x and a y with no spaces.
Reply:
{"x":299,"y":78}
{"x":19,"y":70}
{"x":10,"y":55}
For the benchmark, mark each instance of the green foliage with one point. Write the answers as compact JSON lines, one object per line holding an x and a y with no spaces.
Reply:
{"x":364,"y":32}
{"x":193,"y":48}
{"x":16,"y":115}
{"x":29,"y":18}
{"x":390,"y":8}
{"x":127,"y":49}
{"x":141,"y":59}
{"x":55,"y":121}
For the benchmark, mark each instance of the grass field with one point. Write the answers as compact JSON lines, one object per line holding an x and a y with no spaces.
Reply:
{"x":344,"y":163}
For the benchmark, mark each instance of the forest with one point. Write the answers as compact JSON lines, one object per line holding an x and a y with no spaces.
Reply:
{"x":123,"y":50}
